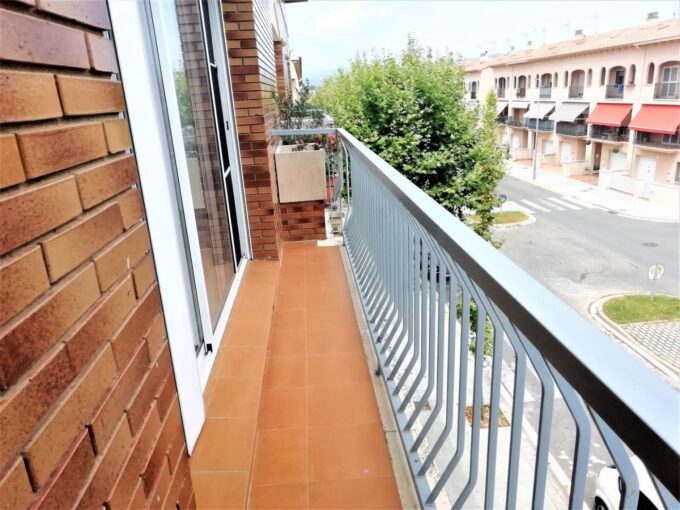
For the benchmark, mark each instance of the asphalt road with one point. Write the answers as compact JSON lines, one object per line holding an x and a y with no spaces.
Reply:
{"x":582,"y":253}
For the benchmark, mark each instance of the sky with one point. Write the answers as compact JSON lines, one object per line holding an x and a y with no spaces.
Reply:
{"x":328,"y":33}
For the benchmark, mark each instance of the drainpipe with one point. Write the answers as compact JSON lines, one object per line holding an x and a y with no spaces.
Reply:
{"x":536,"y":134}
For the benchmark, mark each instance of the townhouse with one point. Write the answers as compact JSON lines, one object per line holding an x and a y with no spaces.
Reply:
{"x":607,"y":104}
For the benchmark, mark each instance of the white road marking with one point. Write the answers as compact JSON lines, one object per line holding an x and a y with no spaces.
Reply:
{"x":554,"y":206}
{"x":512,"y":205}
{"x":565,"y":204}
{"x":582,"y":203}
{"x":534,"y":205}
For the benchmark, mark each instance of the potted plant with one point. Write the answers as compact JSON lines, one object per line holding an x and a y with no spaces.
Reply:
{"x":300,"y":160}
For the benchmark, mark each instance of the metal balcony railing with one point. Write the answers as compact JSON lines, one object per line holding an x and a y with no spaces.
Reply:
{"x":515,"y":122}
{"x":571,"y":129}
{"x":667,"y":90}
{"x":576,"y":92}
{"x":614,"y":91}
{"x":500,"y":92}
{"x":430,"y":288}
{"x":610,"y":134}
{"x":643,"y":140}
{"x":520,"y":92}
{"x":543,"y":124}
{"x":545,"y":92}
{"x":501,"y":120}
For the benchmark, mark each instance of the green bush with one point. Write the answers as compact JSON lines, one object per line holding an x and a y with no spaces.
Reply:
{"x":411,"y":111}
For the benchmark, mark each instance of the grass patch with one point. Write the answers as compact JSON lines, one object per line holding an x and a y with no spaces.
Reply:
{"x":640,"y":308}
{"x":503,"y":218}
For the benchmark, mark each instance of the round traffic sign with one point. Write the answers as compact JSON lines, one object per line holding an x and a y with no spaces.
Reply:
{"x":656,"y":272}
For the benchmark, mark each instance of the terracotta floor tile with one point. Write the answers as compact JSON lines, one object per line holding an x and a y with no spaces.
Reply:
{"x":297,"y":248}
{"x":326,"y":298}
{"x":256,"y":292}
{"x":288,"y":343}
{"x":350,"y":404}
{"x":355,"y":451}
{"x":285,"y":372}
{"x":280,"y":457}
{"x":261,"y":271}
{"x":291,"y":300}
{"x":333,"y":284}
{"x":283,"y":408}
{"x":235,"y":398}
{"x":361,"y":493}
{"x":334,"y":341}
{"x":291,"y":496}
{"x":225,"y":444}
{"x":321,"y":255}
{"x":247,"y":330}
{"x":337,"y":369}
{"x":340,"y":317}
{"x":288,"y":319}
{"x":240,"y":361}
{"x":220,"y":490}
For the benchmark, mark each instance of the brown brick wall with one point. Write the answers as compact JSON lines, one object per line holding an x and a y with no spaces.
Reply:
{"x":88,"y":407}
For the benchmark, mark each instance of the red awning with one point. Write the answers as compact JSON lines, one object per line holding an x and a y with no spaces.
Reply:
{"x":657,"y":118}
{"x":609,"y":114}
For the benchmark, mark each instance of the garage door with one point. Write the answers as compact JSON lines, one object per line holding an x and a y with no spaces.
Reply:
{"x":566,"y":155}
{"x":618,"y":161}
{"x":548,"y":147}
{"x":647,"y":169}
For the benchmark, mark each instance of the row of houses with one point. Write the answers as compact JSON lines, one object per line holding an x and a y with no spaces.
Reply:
{"x":605,"y":104}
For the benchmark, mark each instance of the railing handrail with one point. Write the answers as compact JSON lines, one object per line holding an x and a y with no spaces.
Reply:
{"x":641,"y":408}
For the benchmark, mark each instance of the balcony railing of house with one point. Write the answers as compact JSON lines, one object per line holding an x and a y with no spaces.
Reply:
{"x":667,"y":90}
{"x":430,"y":288}
{"x":502,"y":119}
{"x":500,"y":92}
{"x":644,"y":140}
{"x":614,"y":91}
{"x":515,"y":122}
{"x":571,"y":129}
{"x":520,"y":92}
{"x":543,"y":124}
{"x":576,"y":92}
{"x":545,"y":92}
{"x":610,"y":134}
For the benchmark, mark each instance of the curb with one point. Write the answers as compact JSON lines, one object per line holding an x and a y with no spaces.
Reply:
{"x":618,"y":333}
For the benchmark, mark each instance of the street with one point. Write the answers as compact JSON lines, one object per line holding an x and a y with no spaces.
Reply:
{"x":583,"y":252}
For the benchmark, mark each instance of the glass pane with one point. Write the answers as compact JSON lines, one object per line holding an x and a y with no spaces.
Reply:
{"x":191,"y":78}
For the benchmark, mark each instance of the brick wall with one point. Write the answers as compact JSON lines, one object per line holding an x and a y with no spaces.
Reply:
{"x":282,"y":82}
{"x":88,"y":407}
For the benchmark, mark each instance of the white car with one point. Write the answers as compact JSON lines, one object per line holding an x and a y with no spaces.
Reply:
{"x":610,"y":485}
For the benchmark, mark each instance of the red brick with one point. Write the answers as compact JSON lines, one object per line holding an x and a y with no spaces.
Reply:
{"x":45,"y":448}
{"x":186,"y":493}
{"x":12,"y":167}
{"x":99,"y":324}
{"x":23,"y":279}
{"x":125,"y":253}
{"x":159,"y":458}
{"x":15,"y":487}
{"x":102,"y":180}
{"x":143,"y":275}
{"x":30,"y":212}
{"x":149,"y":387}
{"x":25,"y":404}
{"x":129,"y":475}
{"x":93,"y":12}
{"x":176,"y":450}
{"x":86,"y":96}
{"x":106,"y":469}
{"x":155,"y":336}
{"x":109,"y":410}
{"x":160,"y":489}
{"x":128,"y":335}
{"x":138,"y":499}
{"x":67,"y":480}
{"x":67,"y":249}
{"x":28,"y":96}
{"x":166,"y":396}
{"x":36,"y":41}
{"x":178,"y":477}
{"x":131,"y":207}
{"x":117,"y":135}
{"x":101,"y":53}
{"x":51,"y":150}
{"x":23,"y":341}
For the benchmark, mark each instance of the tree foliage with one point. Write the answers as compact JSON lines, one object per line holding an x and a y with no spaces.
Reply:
{"x":299,"y":113}
{"x":410,"y":109}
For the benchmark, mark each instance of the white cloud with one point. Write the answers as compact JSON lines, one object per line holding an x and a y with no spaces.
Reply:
{"x":494,"y":8}
{"x":348,"y":17}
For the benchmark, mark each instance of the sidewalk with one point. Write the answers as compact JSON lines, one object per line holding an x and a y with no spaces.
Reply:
{"x":624,"y":205}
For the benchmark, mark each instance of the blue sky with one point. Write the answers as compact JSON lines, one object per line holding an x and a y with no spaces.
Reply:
{"x":327,"y":33}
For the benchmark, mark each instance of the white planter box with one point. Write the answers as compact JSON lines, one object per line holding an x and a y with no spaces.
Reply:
{"x":300,"y":175}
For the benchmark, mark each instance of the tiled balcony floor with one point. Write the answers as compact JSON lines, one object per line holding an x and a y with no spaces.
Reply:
{"x":292,"y":416}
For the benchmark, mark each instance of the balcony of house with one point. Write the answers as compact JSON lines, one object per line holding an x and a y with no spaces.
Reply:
{"x":610,"y":134}
{"x":614,"y":91}
{"x":473,"y":94}
{"x":545,"y":92}
{"x":520,"y":92}
{"x":500,"y":92}
{"x":502,"y":119}
{"x":543,"y":124}
{"x":667,"y":91}
{"x":658,"y":141}
{"x":576,"y":91}
{"x":516,"y":122}
{"x":571,"y":129}
{"x":345,"y":367}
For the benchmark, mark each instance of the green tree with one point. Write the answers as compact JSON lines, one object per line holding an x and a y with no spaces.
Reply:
{"x":410,"y":109}
{"x":186,"y":115}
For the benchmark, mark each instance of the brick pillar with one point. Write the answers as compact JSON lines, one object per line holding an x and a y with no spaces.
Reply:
{"x":89,"y":414}
{"x":282,"y":84}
